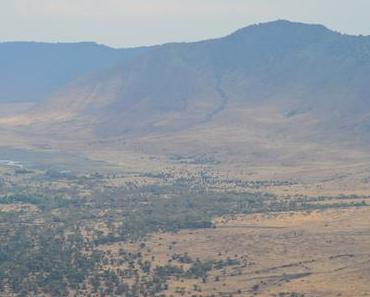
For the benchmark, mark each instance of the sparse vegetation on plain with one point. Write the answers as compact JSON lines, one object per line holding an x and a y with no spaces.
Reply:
{"x":66,"y":235}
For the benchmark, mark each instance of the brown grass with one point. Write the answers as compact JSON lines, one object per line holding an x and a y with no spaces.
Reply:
{"x":321,"y":253}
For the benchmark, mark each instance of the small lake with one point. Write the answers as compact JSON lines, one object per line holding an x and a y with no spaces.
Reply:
{"x":11,"y":163}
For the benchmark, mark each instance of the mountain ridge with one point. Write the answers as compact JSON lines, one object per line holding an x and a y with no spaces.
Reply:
{"x":267,"y":87}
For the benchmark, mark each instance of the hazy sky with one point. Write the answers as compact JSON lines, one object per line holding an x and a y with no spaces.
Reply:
{"x":140,"y":22}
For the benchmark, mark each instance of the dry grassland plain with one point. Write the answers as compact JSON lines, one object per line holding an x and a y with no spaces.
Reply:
{"x":313,"y":254}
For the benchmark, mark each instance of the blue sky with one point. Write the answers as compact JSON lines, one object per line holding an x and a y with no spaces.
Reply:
{"x":122,"y":23}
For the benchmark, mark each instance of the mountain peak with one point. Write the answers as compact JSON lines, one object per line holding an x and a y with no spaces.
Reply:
{"x":283,"y":33}
{"x":285,"y":27}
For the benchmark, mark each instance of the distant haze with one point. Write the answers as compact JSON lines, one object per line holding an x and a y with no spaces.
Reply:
{"x":123,"y":23}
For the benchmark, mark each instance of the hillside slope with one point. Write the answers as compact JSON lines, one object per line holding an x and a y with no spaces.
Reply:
{"x":273,"y":93}
{"x":31,"y":71}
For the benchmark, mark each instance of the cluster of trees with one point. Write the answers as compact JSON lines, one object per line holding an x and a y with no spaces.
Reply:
{"x":21,"y":198}
{"x":41,"y":259}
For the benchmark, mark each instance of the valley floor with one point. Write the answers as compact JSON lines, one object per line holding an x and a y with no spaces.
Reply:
{"x":312,"y":254}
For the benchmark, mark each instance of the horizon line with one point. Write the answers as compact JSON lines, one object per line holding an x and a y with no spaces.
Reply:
{"x":96,"y":43}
